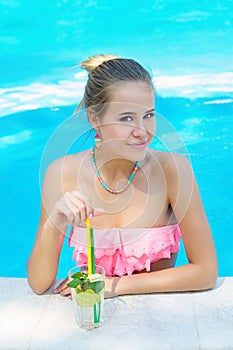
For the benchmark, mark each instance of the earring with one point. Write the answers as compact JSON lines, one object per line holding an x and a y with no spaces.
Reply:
{"x":98,"y":140}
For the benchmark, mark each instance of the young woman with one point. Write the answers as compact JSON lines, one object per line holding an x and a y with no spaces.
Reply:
{"x":141,"y":200}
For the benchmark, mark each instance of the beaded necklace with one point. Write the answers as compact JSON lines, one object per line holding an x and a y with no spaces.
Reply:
{"x":111,"y":190}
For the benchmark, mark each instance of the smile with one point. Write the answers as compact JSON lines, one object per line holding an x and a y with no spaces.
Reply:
{"x":139,"y":144}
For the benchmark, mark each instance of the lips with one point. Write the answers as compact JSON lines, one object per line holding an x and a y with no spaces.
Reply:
{"x":142,"y":144}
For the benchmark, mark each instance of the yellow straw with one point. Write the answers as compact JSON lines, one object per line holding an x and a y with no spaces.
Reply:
{"x":89,"y":260}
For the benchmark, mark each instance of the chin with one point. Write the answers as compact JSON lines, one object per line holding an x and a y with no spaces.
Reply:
{"x":137,"y":155}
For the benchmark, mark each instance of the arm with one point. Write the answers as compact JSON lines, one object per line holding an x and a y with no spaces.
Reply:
{"x":58,"y":210}
{"x":43,"y":262}
{"x":201,"y":271}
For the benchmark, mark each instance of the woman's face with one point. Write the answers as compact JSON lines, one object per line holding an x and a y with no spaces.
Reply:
{"x":128,"y":124}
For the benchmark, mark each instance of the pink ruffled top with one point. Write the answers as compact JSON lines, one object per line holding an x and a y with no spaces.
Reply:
{"x":122,"y":251}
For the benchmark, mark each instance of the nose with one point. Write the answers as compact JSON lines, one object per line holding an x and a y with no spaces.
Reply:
{"x":139,"y":131}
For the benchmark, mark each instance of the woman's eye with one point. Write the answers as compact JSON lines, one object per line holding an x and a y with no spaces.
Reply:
{"x":148,"y":116}
{"x":127,"y":118}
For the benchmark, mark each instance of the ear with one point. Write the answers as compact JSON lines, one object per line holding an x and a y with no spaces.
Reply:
{"x":93,"y":118}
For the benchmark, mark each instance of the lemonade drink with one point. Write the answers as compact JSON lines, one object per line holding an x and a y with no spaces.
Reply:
{"x":88,"y":295}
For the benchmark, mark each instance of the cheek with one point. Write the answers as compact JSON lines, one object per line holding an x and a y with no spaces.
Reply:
{"x":115,"y":131}
{"x":151,"y":127}
{"x":107,"y":131}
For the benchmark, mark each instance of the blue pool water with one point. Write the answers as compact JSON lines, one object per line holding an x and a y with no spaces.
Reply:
{"x":186,"y":45}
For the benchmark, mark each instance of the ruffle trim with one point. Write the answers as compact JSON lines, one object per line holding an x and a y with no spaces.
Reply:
{"x":120,"y":259}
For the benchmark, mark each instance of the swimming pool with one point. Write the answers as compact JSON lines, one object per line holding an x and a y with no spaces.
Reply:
{"x":192,"y":72}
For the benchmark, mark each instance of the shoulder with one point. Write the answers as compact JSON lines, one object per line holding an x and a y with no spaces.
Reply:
{"x":63,"y":171}
{"x":181,"y":186}
{"x":180,"y":182}
{"x":172,"y":163}
{"x":61,"y":177}
{"x":66,"y":165}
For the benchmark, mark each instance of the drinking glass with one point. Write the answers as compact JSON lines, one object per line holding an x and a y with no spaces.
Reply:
{"x":88,"y":295}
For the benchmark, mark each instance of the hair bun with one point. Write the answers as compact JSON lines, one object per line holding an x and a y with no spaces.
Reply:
{"x":94,"y":61}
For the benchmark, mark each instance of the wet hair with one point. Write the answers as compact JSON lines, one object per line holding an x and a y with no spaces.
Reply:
{"x":104,"y":72}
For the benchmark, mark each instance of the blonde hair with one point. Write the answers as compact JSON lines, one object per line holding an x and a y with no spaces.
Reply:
{"x":104,"y":72}
{"x":94,"y":61}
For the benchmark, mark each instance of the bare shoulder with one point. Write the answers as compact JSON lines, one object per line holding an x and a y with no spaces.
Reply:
{"x":180,"y":182}
{"x":66,"y":165}
{"x":61,"y":175}
{"x":178,"y":174}
{"x":173,"y":164}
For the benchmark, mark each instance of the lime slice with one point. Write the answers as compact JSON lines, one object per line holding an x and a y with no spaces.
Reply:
{"x":87,"y":298}
{"x":95,"y":277}
{"x":90,"y":291}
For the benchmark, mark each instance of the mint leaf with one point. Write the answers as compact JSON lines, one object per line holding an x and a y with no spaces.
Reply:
{"x":81,"y":279}
{"x":80,"y":275}
{"x":74,"y":283}
{"x":96,"y":286}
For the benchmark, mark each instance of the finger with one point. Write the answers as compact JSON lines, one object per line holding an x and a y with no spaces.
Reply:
{"x":86,"y":201}
{"x":76,"y":208}
{"x":65,"y":210}
{"x":61,"y":286}
{"x":77,"y":199}
{"x":65,"y":292}
{"x":77,"y":205}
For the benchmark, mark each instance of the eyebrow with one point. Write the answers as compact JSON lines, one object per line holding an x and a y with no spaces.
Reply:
{"x":132,"y":113}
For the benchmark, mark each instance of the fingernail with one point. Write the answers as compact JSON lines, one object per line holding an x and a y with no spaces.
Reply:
{"x":55,"y":291}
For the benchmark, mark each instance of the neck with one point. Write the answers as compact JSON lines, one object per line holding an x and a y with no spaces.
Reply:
{"x":115,"y":175}
{"x":114,"y":169}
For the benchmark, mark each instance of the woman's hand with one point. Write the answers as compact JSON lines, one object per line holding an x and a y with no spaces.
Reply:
{"x":72,"y":209}
{"x":109,"y":292}
{"x":63,"y":289}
